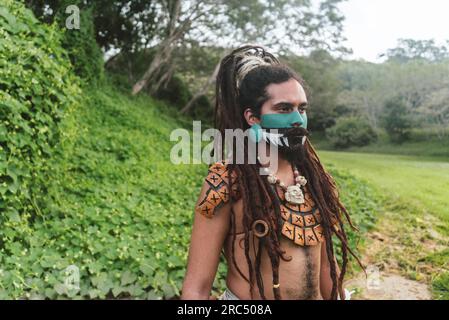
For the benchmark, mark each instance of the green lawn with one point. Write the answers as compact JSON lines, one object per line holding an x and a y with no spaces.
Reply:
{"x":417,"y":190}
{"x":422,"y":182}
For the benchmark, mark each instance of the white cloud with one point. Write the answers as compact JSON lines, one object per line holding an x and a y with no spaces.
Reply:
{"x":373,"y":26}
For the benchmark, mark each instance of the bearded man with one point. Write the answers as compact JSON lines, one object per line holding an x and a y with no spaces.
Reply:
{"x":274,"y":229}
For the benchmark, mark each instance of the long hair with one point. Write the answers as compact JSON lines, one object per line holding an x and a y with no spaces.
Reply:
{"x":259,"y":200}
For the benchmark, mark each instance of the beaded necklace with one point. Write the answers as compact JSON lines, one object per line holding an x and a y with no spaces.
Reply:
{"x":294,"y":193}
{"x":300,"y":218}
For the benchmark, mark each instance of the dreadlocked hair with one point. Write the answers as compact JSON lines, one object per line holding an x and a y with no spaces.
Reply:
{"x":260,"y":201}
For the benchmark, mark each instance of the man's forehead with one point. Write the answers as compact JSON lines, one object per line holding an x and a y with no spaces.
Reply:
{"x":290,"y":91}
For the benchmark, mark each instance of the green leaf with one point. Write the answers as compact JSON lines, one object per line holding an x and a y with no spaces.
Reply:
{"x":60,"y":288}
{"x":168,"y":290}
{"x":148,"y":267}
{"x":116,"y":291}
{"x":128,"y":278}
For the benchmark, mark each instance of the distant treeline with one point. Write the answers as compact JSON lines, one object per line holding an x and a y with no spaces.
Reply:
{"x":169,"y":50}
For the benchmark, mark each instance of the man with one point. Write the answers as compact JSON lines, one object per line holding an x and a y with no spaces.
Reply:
{"x":275,"y":230}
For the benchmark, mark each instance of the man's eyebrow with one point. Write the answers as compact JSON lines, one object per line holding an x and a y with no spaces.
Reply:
{"x":289,"y":104}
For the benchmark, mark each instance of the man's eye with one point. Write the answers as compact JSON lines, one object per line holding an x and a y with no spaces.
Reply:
{"x":286,"y":108}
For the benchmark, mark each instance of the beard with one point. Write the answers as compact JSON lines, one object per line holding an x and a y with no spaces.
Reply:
{"x":295,"y":151}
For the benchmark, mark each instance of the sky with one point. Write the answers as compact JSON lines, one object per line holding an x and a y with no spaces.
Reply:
{"x":373,"y":26}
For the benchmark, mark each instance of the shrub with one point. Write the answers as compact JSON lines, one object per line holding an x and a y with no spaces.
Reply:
{"x":37,"y":90}
{"x":351,"y":131}
{"x":80,"y":44}
{"x":82,"y":49}
{"x":396,"y":120}
{"x":176,"y":92}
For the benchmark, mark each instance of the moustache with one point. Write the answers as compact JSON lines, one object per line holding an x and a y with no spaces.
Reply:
{"x":295,"y":136}
{"x":286,"y":138}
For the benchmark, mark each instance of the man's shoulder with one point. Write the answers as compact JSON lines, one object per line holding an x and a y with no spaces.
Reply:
{"x":220,"y":186}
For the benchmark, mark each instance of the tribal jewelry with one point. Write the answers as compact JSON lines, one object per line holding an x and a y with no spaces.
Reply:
{"x":294,"y":193}
{"x":300,"y":216}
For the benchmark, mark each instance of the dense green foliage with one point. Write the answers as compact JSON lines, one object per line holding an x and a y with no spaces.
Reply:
{"x":351,"y":131}
{"x":83,"y":51}
{"x":37,"y":90}
{"x":78,"y":39}
{"x":418,"y":87}
{"x":116,"y":208}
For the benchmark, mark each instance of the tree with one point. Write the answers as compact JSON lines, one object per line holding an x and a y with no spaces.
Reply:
{"x":364,"y":88}
{"x":287,"y":26}
{"x":409,"y":49}
{"x":396,"y":120}
{"x":436,"y":110}
{"x":319,"y":71}
{"x":122,"y":25}
{"x":284,"y":26}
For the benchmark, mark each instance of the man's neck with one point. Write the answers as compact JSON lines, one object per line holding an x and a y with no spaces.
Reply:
{"x":282,"y":162}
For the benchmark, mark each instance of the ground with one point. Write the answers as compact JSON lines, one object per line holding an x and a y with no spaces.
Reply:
{"x":408,"y":246}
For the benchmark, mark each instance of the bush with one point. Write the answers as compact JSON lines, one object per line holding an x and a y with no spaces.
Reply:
{"x":363,"y":202}
{"x":82,"y":48}
{"x":176,"y":92}
{"x":116,"y":208}
{"x":351,"y":131}
{"x":396,"y":120}
{"x":36,"y":88}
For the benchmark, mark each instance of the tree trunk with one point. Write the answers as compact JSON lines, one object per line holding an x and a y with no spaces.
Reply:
{"x":161,"y":57}
{"x":203,"y":90}
{"x":166,"y":48}
{"x":163,"y":80}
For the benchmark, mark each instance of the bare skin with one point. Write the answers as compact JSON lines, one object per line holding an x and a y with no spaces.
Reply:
{"x":305,"y":276}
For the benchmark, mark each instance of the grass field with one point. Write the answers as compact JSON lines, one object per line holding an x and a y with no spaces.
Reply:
{"x":421,"y":181}
{"x":415,"y":222}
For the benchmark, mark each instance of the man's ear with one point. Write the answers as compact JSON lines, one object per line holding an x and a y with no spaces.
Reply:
{"x":250,"y":117}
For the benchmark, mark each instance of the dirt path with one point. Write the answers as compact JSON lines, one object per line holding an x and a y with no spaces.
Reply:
{"x":392,"y":254}
{"x":391,"y":287}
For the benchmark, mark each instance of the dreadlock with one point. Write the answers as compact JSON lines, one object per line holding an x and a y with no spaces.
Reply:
{"x":260,"y":201}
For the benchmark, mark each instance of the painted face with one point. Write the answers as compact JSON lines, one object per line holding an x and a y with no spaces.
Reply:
{"x":285,"y":109}
{"x":278,"y":121}
{"x":284,"y":120}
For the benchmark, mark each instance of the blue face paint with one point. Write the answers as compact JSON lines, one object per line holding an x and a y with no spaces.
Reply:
{"x":283,"y":120}
{"x":277,"y":121}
